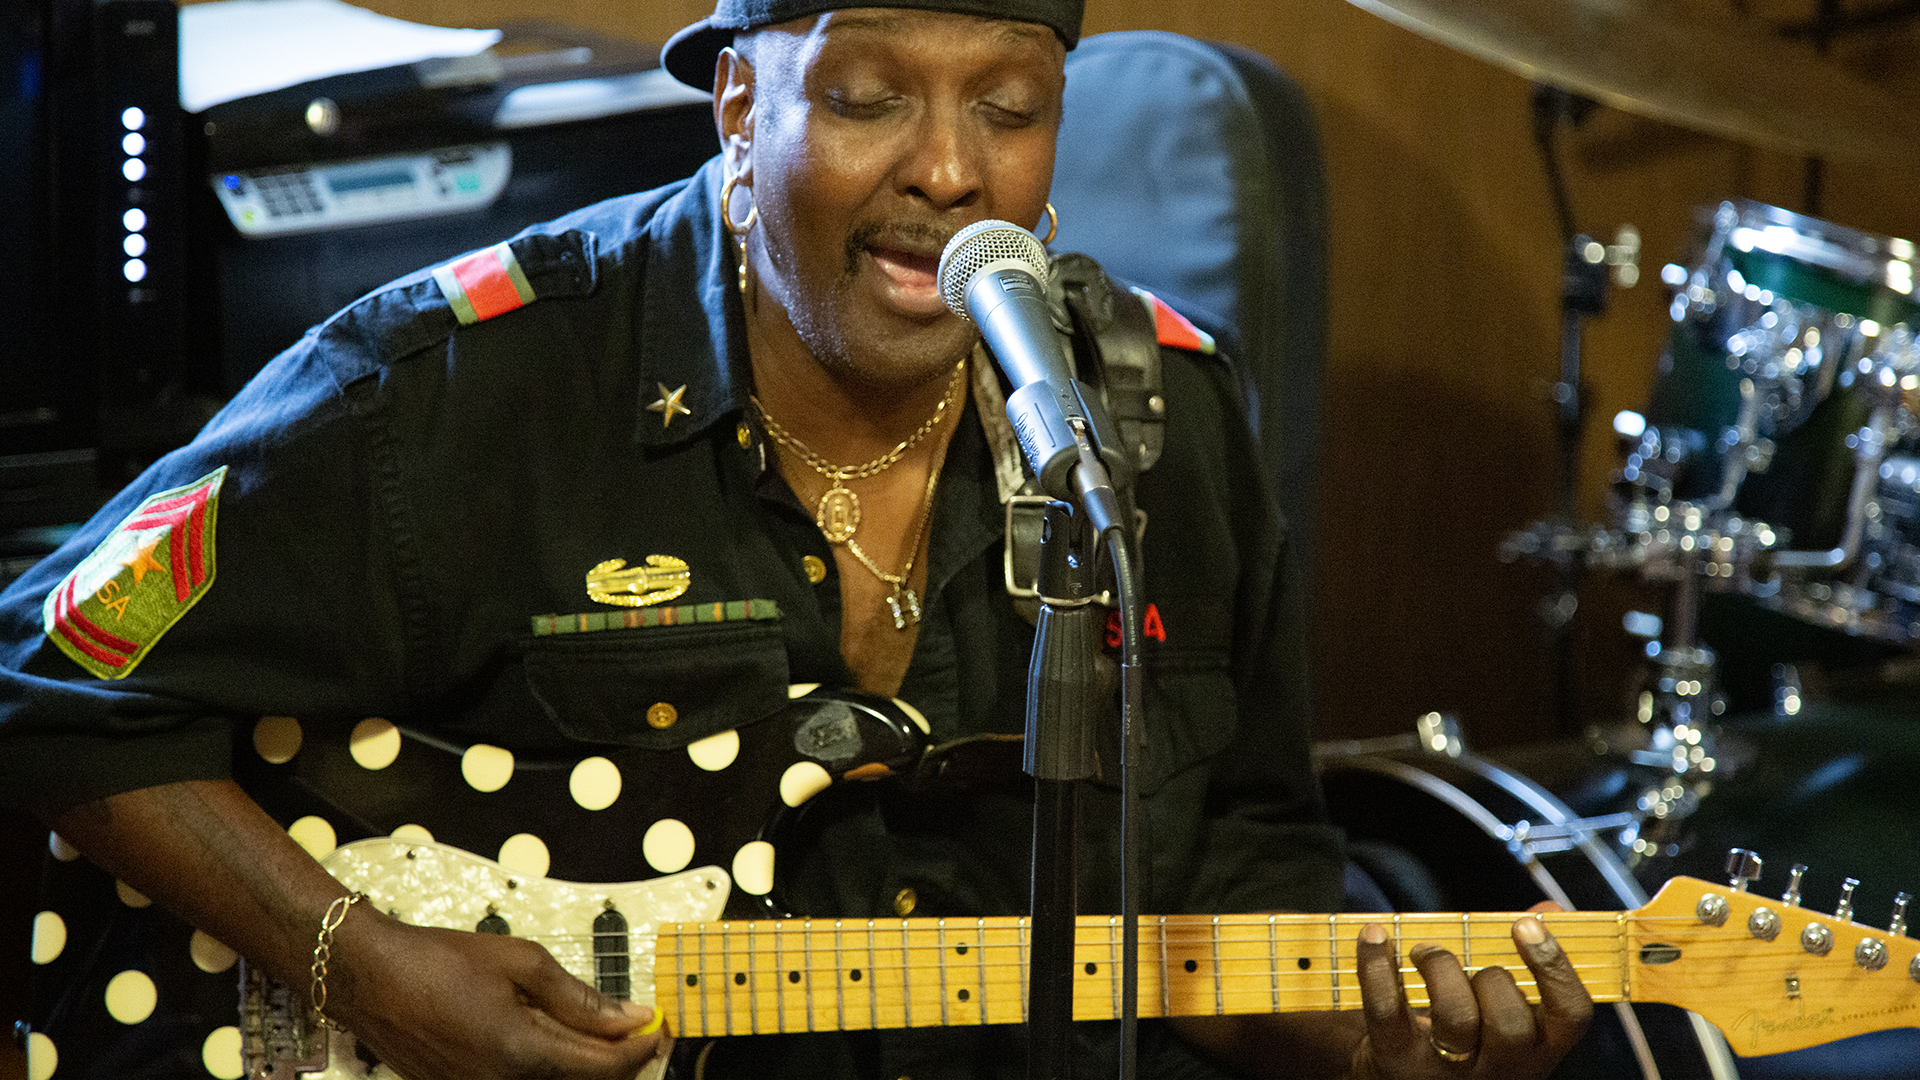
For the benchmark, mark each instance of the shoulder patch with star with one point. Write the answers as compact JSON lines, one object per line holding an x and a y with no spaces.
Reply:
{"x":143,"y":577}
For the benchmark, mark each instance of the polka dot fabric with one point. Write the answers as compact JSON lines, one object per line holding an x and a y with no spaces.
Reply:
{"x":156,"y":999}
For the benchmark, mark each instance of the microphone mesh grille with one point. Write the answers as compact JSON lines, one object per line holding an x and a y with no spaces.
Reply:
{"x":979,"y":244}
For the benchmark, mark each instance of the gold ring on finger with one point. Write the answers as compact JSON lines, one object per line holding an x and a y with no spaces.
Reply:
{"x":1454,"y":1056}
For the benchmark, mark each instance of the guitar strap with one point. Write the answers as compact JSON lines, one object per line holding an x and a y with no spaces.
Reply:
{"x":1115,"y":349}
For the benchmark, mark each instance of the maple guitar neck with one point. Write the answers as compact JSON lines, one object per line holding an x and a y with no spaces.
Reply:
{"x":1771,"y":975}
{"x":739,"y":978}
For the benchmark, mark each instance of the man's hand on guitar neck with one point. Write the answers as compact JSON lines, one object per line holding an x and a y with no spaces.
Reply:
{"x":1478,"y":1026}
{"x":435,"y":1003}
{"x":432,"y":1004}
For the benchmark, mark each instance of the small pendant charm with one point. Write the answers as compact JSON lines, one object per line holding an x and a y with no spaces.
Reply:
{"x":838,"y":514}
{"x":910,"y":611}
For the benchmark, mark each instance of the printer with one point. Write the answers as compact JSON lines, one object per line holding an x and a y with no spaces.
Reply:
{"x":315,"y":193}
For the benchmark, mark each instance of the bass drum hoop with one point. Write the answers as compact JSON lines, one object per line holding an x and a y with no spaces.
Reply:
{"x":1422,"y":772}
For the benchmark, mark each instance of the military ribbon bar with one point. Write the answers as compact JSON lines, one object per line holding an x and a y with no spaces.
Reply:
{"x":484,"y":284}
{"x":591,"y":621}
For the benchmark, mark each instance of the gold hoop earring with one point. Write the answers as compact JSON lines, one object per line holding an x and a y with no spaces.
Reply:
{"x":1053,"y":224}
{"x":739,"y":230}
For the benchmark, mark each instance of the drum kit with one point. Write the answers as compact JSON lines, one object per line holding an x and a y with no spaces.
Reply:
{"x":1777,"y":463}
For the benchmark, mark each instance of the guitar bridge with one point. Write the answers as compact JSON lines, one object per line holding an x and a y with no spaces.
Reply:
{"x":279,"y":1036}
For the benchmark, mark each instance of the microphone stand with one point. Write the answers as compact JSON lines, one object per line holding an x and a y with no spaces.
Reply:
{"x":1064,"y":688}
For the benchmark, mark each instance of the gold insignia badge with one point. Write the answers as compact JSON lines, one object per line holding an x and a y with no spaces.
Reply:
{"x":669,"y":405}
{"x":662,"y":579}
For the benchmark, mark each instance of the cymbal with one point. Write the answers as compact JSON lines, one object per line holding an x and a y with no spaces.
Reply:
{"x":1715,"y":75}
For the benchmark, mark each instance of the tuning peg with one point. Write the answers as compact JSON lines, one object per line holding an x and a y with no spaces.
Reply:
{"x":1743,"y":866}
{"x":1792,"y":896}
{"x":1844,"y":910}
{"x":1898,"y":926}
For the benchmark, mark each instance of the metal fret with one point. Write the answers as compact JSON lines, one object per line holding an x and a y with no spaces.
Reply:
{"x":1273,"y":957}
{"x":1113,"y":960}
{"x":839,"y":979}
{"x":1333,"y":956}
{"x":1620,"y":928}
{"x":941,"y":927}
{"x":753,"y":984}
{"x":980,"y":948}
{"x":906,"y":971}
{"x":873,"y":984}
{"x":726,"y":984}
{"x":1466,"y":941}
{"x":779,"y":981}
{"x":679,"y":973}
{"x":1219,"y":998}
{"x":806,"y":960}
{"x":1166,"y":998}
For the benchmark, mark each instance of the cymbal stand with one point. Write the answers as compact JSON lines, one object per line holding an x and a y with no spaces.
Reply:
{"x":1583,"y":293}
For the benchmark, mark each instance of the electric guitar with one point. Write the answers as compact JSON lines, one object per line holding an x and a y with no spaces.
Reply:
{"x":1771,"y":976}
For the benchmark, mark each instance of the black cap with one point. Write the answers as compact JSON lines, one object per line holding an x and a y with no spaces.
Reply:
{"x":689,"y":54}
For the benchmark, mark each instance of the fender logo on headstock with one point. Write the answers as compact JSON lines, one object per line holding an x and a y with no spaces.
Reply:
{"x":1752,"y":1027}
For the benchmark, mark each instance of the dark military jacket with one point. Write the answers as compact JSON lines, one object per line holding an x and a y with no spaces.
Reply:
{"x":340,"y":602}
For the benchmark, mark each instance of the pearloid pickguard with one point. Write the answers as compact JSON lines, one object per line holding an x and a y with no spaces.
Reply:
{"x":429,"y":884}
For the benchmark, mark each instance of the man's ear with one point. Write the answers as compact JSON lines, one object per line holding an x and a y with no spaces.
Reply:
{"x":733,"y":111}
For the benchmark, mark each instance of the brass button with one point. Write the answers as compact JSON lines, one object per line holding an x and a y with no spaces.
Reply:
{"x":815,"y":567}
{"x":662,"y":715}
{"x":904,"y":902}
{"x":744,"y":434}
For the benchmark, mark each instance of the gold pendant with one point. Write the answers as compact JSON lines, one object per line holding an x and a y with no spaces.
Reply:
{"x":838,"y":514}
{"x":912,"y":608}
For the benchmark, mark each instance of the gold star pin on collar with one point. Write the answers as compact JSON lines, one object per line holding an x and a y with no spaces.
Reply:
{"x":669,"y":405}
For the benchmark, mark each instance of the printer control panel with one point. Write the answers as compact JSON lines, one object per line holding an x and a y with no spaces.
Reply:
{"x":366,"y":191}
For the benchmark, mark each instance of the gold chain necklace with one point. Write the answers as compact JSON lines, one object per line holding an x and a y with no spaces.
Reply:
{"x":903,"y":594}
{"x":838,"y":511}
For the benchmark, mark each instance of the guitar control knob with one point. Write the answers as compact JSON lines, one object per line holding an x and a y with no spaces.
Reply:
{"x":1817,"y":939}
{"x":1743,"y":866}
{"x":1898,"y":927}
{"x":1844,"y":909}
{"x":1871,"y":954}
{"x":1792,"y":896}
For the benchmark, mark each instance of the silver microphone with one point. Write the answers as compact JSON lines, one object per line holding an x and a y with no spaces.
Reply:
{"x":994,"y":274}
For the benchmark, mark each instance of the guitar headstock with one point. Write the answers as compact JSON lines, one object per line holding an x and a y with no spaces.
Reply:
{"x":1770,"y":974}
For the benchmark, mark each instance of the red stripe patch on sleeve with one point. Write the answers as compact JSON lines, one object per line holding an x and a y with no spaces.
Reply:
{"x":1173,"y":329}
{"x":484,"y":284}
